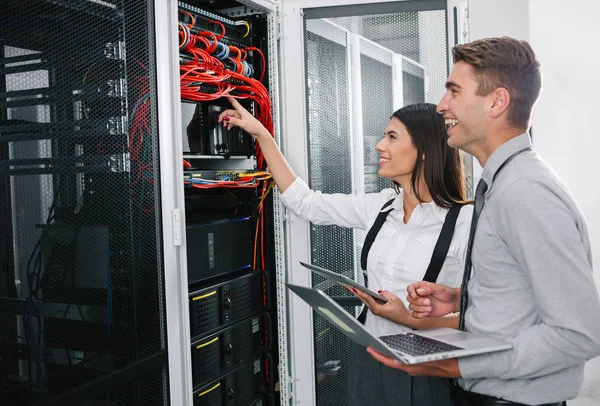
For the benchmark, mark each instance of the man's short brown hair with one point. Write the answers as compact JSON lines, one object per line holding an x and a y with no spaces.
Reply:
{"x":508,"y":63}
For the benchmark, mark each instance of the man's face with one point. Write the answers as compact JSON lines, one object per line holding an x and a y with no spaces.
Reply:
{"x":463,"y":110}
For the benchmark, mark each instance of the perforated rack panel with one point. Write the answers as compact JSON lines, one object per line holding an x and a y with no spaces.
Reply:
{"x":218,"y":353}
{"x":224,"y":303}
{"x":82,"y":295}
{"x":245,"y":385}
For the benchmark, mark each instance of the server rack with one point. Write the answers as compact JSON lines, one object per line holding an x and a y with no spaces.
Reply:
{"x":85,"y":310}
{"x":228,"y":205}
{"x":82,"y":297}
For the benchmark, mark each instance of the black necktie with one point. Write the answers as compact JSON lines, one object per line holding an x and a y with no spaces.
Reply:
{"x":464,"y":294}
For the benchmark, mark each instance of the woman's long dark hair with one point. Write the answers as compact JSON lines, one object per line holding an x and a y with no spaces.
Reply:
{"x":442,"y":167}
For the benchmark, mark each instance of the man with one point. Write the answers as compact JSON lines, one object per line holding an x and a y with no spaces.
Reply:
{"x":531,"y":282}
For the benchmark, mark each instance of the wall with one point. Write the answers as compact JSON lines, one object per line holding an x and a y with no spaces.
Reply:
{"x":493,"y":18}
{"x":564,"y":37}
{"x":565,"y":41}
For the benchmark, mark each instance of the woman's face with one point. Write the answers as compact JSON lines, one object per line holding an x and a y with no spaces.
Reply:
{"x":397,"y":154}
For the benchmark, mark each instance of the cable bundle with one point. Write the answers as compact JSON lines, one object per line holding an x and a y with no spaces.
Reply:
{"x":218,"y":70}
{"x":140,"y":142}
{"x":246,"y":180}
{"x":267,"y":186}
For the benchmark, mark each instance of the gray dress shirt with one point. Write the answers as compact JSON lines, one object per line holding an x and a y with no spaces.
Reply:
{"x":531,"y":284}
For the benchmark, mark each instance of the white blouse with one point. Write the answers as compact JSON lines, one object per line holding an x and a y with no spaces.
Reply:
{"x":401,"y":252}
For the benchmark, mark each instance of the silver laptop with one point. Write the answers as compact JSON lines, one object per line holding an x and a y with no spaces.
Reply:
{"x":344,"y":281}
{"x":410,"y":348}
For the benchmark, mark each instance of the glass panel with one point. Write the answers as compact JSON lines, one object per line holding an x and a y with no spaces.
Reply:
{"x":80,"y":253}
{"x":329,"y":156}
{"x":377,"y":105}
{"x":402,"y":60}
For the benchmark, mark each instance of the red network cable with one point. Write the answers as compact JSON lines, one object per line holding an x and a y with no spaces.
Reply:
{"x":206,"y":77}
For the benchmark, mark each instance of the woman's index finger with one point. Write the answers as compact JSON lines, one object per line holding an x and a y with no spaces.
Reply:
{"x":237,"y":106}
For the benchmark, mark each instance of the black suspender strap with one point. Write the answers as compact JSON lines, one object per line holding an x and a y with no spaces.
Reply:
{"x":443,"y":244}
{"x":373,"y":231}
{"x":440,"y":250}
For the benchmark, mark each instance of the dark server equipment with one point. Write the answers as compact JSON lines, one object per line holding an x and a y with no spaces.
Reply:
{"x":203,"y":18}
{"x":205,"y":205}
{"x":218,"y":247}
{"x":261,"y":401}
{"x":220,"y":352}
{"x":228,"y":225}
{"x":245,"y":385}
{"x":205,"y":136}
{"x":222,"y":304}
{"x":81,"y":291}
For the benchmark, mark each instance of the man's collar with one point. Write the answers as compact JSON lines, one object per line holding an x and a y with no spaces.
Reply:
{"x":501,"y":154}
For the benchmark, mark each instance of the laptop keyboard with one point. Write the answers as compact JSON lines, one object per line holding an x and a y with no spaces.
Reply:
{"x":417,"y":345}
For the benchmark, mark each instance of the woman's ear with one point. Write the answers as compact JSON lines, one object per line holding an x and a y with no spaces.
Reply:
{"x":423,"y":156}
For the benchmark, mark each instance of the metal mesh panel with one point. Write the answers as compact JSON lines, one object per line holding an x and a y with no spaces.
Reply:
{"x":414,"y":70}
{"x":377,"y":105}
{"x":204,"y":313}
{"x":240,"y":387}
{"x":327,"y":72}
{"x":148,"y":386}
{"x":206,"y":360}
{"x":418,"y":36}
{"x":80,"y":267}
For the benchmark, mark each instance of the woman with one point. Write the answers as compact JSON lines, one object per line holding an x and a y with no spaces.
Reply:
{"x":428,"y":180}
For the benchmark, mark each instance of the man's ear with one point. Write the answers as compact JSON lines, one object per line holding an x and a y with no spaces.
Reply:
{"x":500,"y":100}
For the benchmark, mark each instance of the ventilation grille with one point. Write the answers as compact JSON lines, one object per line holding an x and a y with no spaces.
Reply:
{"x":210,"y":396}
{"x":204,"y":311}
{"x":244,"y":299}
{"x":206,"y":359}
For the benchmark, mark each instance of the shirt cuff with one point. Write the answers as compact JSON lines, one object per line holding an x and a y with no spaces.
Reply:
{"x":294,"y":193}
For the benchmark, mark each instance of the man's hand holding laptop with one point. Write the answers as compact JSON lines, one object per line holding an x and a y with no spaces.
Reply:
{"x":447,"y":368}
{"x":425,"y":299}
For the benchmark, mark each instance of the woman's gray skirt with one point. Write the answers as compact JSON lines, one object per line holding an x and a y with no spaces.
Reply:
{"x":372,"y":383}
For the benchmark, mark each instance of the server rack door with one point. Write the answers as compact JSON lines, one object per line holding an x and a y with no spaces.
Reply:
{"x":346,"y":63}
{"x":196,"y":216}
{"x":82,"y":270}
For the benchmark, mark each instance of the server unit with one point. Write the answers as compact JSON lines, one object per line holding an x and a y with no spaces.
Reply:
{"x":218,"y":353}
{"x":244,"y":386}
{"x":219,"y":305}
{"x":205,"y":137}
{"x":218,"y":247}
